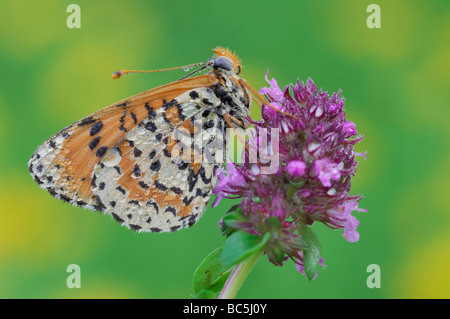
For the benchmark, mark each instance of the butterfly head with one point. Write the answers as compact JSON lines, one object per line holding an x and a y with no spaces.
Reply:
{"x":226,"y":60}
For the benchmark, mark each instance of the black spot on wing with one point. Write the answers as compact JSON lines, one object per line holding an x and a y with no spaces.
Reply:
{"x":87,"y":121}
{"x":137,"y":152}
{"x":133,"y":116}
{"x":64,"y":198}
{"x":120,"y":189}
{"x":135,"y":227}
{"x":169,"y":104}
{"x":194,"y":95}
{"x":193,"y":178}
{"x":143,"y":185}
{"x":155,"y":166}
{"x":208,"y":124}
{"x":117,"y":218}
{"x":37,"y":180}
{"x":137,"y":171}
{"x":172,"y":210}
{"x":182,"y":165}
{"x":187,"y":200}
{"x":122,"y":128}
{"x":93,"y":181}
{"x":99,"y":206}
{"x":93,"y":144}
{"x":160,"y":186}
{"x":207,"y":102}
{"x":206,"y":113}
{"x":101,"y":151}
{"x":122,"y":105}
{"x":176,"y":190}
{"x":151,"y":126}
{"x":151,"y":112}
{"x":96,"y":128}
{"x":155,"y":206}
{"x":167,"y":153}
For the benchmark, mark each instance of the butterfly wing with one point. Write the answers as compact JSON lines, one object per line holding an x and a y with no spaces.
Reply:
{"x":71,"y":164}
{"x":164,"y":168}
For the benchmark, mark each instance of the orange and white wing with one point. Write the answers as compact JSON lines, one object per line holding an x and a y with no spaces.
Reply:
{"x":119,"y":160}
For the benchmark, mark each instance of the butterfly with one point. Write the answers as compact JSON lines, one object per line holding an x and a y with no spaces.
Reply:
{"x":144,"y":160}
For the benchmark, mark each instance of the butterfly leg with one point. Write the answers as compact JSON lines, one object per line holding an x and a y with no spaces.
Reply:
{"x":230,"y":119}
{"x":262,"y":101}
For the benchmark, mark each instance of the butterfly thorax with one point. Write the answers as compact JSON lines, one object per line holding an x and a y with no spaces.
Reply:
{"x":235,"y":98}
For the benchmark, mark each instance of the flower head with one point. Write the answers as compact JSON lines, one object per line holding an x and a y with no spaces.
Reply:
{"x":316,"y":158}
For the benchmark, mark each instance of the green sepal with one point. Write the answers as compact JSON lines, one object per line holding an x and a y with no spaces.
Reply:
{"x":311,"y":255}
{"x":276,"y":255}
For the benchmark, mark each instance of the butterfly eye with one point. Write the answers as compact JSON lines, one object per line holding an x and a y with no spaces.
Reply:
{"x":223,"y":63}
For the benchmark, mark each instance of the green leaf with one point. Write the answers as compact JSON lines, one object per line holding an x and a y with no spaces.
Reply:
{"x":211,"y":274}
{"x":311,"y":255}
{"x":240,"y":245}
{"x":233,"y":219}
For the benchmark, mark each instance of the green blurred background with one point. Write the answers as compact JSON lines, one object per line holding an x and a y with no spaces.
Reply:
{"x":396,"y":83}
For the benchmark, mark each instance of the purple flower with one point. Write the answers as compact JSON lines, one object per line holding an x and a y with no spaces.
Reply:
{"x":228,"y":184}
{"x":316,"y":157}
{"x":296,"y":168}
{"x":341,"y":216}
{"x":349,"y":128}
{"x":274,"y":91}
{"x":326,"y":171}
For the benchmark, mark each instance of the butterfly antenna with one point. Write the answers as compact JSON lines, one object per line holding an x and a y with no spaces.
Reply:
{"x":118,"y":74}
{"x":193,"y":72}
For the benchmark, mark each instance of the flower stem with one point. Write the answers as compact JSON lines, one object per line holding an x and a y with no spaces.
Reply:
{"x":238,"y":276}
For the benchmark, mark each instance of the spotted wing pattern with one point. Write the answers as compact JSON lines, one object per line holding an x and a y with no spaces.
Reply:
{"x":162,"y":180}
{"x":149,"y":161}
